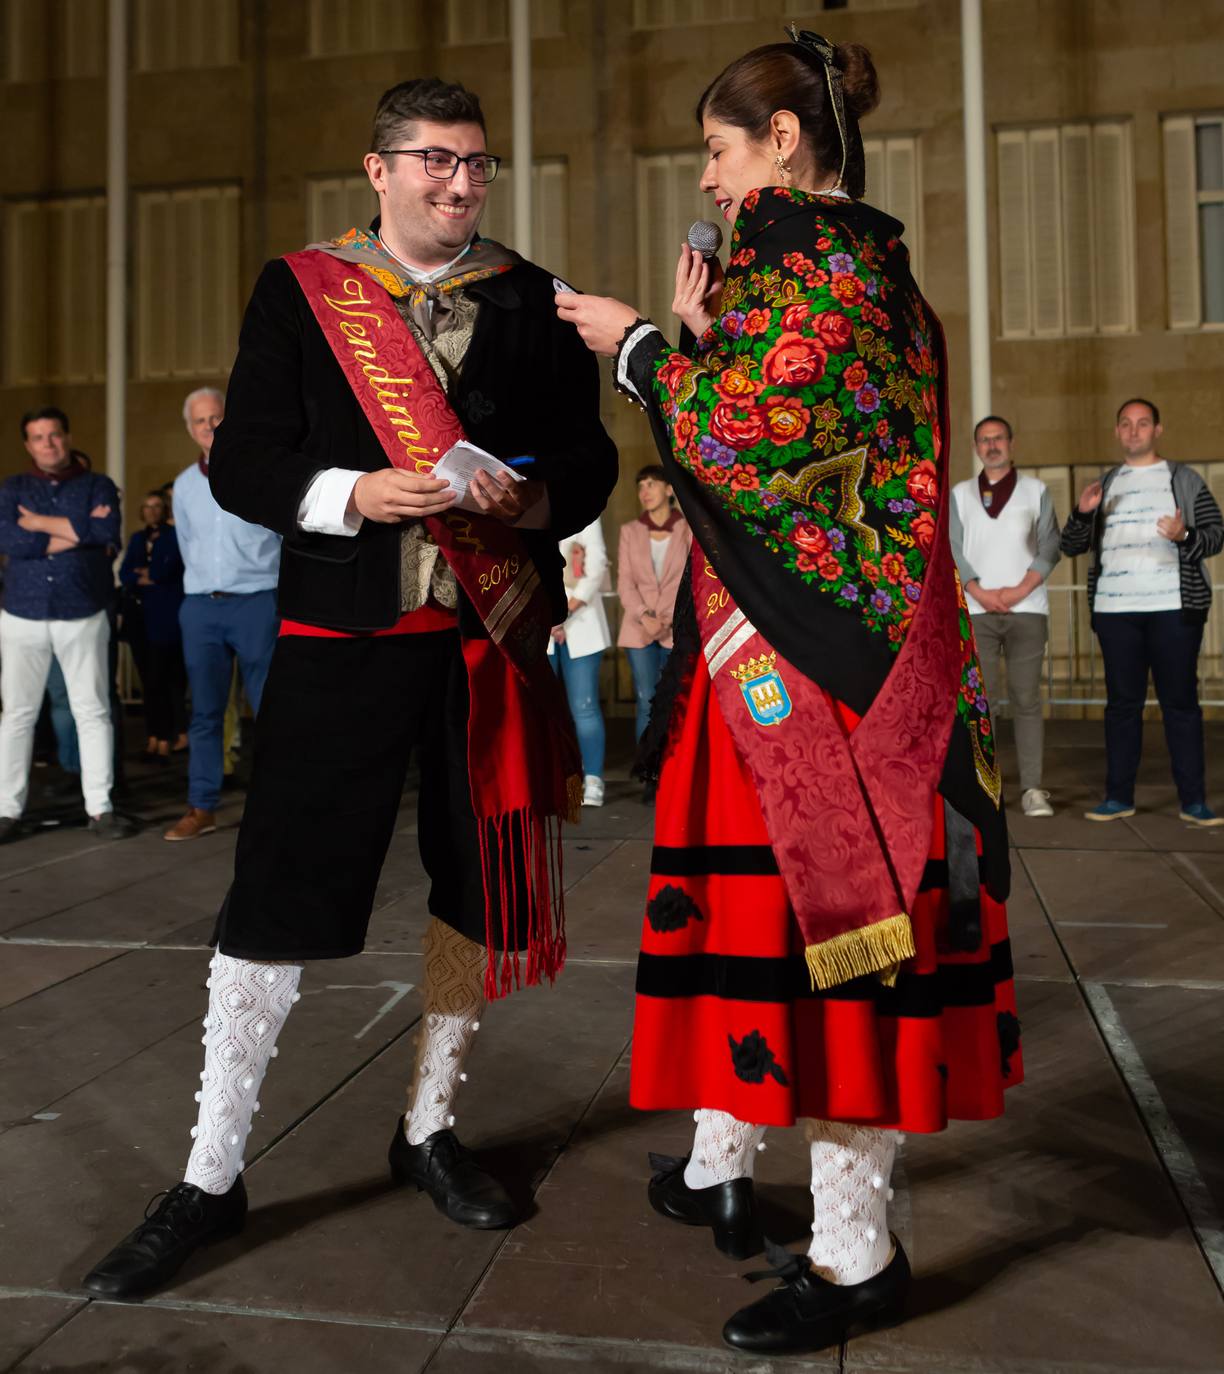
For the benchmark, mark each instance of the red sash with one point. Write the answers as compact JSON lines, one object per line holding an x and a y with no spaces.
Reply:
{"x":523,"y":761}
{"x":849,"y":814}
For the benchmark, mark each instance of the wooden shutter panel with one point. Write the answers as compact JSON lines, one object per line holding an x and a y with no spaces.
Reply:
{"x":654,"y":213}
{"x":1079,"y":273}
{"x":82,"y":37}
{"x":1045,"y":229}
{"x":901,"y":155}
{"x":1015,"y":308}
{"x":874,"y":165}
{"x":1185,"y":302}
{"x":550,"y":213}
{"x":1114,"y":202}
{"x":334,"y":204}
{"x":25,"y":294}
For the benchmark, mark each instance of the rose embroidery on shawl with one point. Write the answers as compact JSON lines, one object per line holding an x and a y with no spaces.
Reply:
{"x":671,"y":909}
{"x":754,"y":1061}
{"x":824,"y":350}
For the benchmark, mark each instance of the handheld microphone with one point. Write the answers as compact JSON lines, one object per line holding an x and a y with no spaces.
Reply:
{"x":705,"y":237}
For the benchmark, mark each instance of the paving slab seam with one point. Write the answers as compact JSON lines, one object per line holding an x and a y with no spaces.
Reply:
{"x":68,"y":977}
{"x":695,"y":1357}
{"x":1194,"y":984}
{"x":1213,"y":896}
{"x":547,"y":1174}
{"x":1175,"y":1157}
{"x":275,"y":1313}
{"x":327,"y":1097}
{"x":47,"y":1335}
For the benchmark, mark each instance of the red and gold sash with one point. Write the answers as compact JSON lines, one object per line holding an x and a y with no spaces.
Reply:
{"x":523,"y":761}
{"x":849,"y":814}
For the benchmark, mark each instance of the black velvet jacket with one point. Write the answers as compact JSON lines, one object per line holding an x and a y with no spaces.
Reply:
{"x":528,"y":386}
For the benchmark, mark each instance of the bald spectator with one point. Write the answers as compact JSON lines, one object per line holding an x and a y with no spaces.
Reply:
{"x":228,"y":613}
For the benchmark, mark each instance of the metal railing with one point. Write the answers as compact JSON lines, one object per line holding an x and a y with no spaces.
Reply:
{"x":1074,"y":673}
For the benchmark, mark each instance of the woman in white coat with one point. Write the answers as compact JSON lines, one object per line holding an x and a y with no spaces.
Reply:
{"x":578,"y":647}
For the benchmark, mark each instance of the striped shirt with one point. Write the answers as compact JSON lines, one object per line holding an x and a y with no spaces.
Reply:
{"x":1139,"y":566}
{"x":1205,"y":536}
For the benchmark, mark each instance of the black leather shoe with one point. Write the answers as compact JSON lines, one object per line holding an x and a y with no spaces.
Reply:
{"x":460,"y":1188}
{"x":728,"y":1209}
{"x":186,"y":1218}
{"x":808,"y":1313}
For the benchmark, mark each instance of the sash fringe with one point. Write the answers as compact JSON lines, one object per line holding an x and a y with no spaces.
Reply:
{"x":521,"y":865}
{"x":877,"y":948}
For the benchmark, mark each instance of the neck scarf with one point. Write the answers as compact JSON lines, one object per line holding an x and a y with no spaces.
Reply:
{"x":673,"y":519}
{"x":995,"y":495}
{"x":429,"y":301}
{"x":202,"y":460}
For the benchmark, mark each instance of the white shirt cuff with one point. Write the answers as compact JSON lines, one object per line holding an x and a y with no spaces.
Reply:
{"x":324,"y":508}
{"x":622,"y":362}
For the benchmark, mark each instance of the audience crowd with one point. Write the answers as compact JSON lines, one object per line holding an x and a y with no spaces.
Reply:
{"x":195,"y":602}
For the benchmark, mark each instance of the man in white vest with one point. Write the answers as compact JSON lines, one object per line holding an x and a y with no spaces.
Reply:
{"x":1005,"y":540}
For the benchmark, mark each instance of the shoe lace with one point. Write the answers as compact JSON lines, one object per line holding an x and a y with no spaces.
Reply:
{"x":167,"y":1209}
{"x":786,"y":1266}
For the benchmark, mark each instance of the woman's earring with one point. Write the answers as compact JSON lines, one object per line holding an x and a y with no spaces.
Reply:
{"x":783,"y":169}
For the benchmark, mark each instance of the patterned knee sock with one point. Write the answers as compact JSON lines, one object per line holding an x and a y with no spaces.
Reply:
{"x":454,"y":1001}
{"x":851,"y":1166}
{"x":723,"y":1149}
{"x":247,"y":1006}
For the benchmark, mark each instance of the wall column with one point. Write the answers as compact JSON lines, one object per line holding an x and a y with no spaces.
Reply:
{"x":975,"y":210}
{"x":520,"y":87}
{"x":116,"y":244}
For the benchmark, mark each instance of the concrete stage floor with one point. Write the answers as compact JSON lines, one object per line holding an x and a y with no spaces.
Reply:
{"x":1080,"y":1234}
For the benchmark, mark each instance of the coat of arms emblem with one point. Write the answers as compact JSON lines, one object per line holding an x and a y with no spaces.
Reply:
{"x":764,"y":691}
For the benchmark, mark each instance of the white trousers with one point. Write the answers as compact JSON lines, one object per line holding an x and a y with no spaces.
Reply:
{"x":26,"y":649}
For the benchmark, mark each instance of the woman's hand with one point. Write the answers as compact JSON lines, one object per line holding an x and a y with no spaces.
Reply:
{"x":699,"y":287}
{"x":600,"y":321}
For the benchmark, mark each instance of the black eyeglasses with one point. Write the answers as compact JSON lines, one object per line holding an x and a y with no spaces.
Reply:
{"x":442,"y":164}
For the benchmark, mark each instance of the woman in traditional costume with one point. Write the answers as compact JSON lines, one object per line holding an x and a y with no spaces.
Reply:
{"x":825,"y":939}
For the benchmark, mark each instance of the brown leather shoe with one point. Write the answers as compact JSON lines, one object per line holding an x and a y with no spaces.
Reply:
{"x":194,"y":824}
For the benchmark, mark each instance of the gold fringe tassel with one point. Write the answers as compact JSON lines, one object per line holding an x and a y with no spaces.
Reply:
{"x":573,"y":798}
{"x":877,"y":948}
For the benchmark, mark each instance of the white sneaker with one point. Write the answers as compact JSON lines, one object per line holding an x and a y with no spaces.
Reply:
{"x":1036,"y":802}
{"x":592,"y":790}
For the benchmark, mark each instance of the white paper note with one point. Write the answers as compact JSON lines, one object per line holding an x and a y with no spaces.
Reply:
{"x":461,"y":462}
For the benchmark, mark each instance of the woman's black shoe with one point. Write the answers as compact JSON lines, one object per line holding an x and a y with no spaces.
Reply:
{"x":186,"y":1218}
{"x":809,"y":1313}
{"x":728,"y":1209}
{"x":460,"y":1188}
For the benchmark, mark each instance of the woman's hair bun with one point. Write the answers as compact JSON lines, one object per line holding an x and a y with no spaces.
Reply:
{"x":860,"y":85}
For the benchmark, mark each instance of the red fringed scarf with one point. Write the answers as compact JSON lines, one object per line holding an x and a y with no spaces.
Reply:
{"x":523,"y":761}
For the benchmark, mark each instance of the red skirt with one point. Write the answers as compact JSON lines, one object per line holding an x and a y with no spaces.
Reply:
{"x":726,"y":1016}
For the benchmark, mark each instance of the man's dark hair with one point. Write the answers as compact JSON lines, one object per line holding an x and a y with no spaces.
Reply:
{"x":992,"y":419}
{"x":1139,"y":401}
{"x":439,"y":102}
{"x":652,"y":472}
{"x":44,"y":413}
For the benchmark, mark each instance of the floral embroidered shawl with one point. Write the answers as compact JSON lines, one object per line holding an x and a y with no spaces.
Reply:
{"x":806,"y":441}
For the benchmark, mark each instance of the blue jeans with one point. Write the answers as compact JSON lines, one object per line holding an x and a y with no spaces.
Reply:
{"x":67,"y":752}
{"x":1134,"y":644}
{"x":215,"y":632}
{"x":581,"y":678}
{"x":646,"y":665}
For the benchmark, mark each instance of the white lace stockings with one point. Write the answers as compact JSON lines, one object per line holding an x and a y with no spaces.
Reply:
{"x":247,"y":1006}
{"x":723,"y":1149}
{"x":454,"y":1001}
{"x":851,"y":1166}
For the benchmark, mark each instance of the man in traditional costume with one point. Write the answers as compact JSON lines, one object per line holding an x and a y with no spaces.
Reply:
{"x":825,"y":937}
{"x":408,"y":624}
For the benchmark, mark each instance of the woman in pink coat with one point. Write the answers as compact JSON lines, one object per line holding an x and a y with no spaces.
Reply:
{"x":653,"y":554}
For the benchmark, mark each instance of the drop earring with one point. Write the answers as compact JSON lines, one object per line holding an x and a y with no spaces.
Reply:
{"x":783,"y":169}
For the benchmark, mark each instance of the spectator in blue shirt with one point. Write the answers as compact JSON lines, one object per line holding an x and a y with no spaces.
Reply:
{"x":56,"y":524}
{"x":228,"y":612}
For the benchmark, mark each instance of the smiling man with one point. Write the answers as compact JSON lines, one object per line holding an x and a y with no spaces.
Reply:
{"x":407,"y":625}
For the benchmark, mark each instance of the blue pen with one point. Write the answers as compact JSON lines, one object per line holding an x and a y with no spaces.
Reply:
{"x":524,"y":462}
